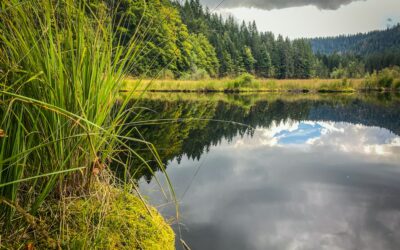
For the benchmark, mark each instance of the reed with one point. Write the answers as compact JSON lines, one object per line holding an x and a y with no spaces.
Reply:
{"x":61,"y":69}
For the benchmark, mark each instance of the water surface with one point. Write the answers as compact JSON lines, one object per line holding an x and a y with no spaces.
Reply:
{"x":307,"y":172}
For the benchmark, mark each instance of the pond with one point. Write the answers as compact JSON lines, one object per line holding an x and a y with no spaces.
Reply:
{"x":270,"y":171}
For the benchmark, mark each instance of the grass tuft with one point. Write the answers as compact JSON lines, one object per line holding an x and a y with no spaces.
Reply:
{"x":61,"y":72}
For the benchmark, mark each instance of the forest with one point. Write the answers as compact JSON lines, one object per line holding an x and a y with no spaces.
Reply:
{"x":188,"y":41}
{"x":368,"y":43}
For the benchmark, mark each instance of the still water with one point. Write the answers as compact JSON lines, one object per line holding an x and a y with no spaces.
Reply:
{"x":295,"y":171}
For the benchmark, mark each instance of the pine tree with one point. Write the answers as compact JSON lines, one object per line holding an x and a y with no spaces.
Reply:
{"x":264,"y":65}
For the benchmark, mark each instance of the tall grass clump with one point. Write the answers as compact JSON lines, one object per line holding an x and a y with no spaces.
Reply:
{"x":60,"y":72}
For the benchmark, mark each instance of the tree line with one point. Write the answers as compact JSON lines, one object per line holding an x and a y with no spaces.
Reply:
{"x":362,"y":43}
{"x":357,"y":55}
{"x":189,"y":41}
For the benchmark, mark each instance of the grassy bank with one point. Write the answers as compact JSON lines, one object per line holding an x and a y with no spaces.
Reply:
{"x":247,"y":83}
{"x":60,"y":130}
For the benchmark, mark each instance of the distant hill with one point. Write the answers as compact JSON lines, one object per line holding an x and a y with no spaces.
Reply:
{"x":360,"y":44}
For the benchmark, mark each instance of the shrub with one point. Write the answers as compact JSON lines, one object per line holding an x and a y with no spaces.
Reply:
{"x":244,"y":80}
{"x":338,"y":73}
{"x":387,"y":78}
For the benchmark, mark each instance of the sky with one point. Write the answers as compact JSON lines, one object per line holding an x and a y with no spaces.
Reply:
{"x":312,"y":18}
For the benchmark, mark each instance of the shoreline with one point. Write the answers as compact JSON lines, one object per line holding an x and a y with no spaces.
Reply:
{"x":238,"y":91}
{"x":253,"y":85}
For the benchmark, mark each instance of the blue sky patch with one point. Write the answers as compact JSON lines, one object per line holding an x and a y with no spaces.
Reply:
{"x":301,"y":135}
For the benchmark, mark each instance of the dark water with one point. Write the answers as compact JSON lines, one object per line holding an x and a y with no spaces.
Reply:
{"x":311,"y":172}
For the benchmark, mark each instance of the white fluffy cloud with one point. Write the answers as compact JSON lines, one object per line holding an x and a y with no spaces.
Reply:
{"x":310,"y":18}
{"x":308,"y":135}
{"x":278,"y":4}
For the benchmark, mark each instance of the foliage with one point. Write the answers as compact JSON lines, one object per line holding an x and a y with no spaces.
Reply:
{"x":358,"y":53}
{"x":242,"y":48}
{"x":160,"y":36}
{"x":303,"y":59}
{"x":203,"y":55}
{"x":385,"y":79}
{"x":163,"y":42}
{"x":361,"y":44}
{"x":338,"y":73}
{"x":381,"y":60}
{"x":243,"y":81}
{"x":185,"y":38}
{"x":61,"y":74}
{"x":339,"y":66}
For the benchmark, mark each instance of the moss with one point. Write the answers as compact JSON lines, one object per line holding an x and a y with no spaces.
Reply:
{"x":106,"y":218}
{"x":121,"y":222}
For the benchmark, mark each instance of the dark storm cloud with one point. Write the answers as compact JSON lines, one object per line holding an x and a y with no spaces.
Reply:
{"x":278,"y":4}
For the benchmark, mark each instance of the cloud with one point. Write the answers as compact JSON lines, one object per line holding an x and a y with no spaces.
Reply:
{"x":278,"y":4}
{"x":334,"y":136}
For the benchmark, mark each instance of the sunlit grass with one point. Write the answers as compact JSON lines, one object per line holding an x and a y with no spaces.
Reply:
{"x":256,"y":85}
{"x":61,"y":72}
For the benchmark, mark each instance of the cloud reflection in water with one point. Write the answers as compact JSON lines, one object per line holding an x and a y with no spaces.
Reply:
{"x":295,"y":185}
